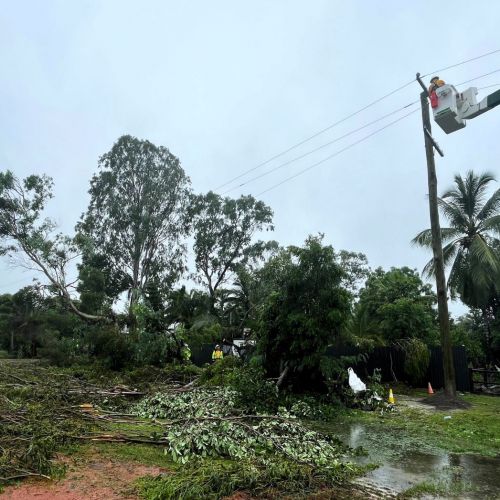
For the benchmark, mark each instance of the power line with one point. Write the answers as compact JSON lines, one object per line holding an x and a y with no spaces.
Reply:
{"x":478,"y":77}
{"x":315,"y":135}
{"x":489,"y":86}
{"x":264,"y":174}
{"x":376,"y":101}
{"x":339,"y":152}
{"x":462,"y":62}
{"x":366,"y":137}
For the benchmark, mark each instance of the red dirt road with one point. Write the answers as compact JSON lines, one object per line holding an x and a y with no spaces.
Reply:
{"x":98,"y":479}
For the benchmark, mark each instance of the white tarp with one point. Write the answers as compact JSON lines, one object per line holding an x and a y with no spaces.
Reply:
{"x":356,"y":384}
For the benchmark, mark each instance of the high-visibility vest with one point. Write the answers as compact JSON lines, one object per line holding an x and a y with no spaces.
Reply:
{"x":217,"y":355}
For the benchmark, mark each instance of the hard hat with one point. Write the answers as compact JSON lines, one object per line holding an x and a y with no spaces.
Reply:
{"x":217,"y":346}
{"x":434,"y":78}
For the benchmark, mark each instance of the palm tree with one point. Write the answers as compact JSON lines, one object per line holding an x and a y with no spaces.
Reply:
{"x":471,"y":241}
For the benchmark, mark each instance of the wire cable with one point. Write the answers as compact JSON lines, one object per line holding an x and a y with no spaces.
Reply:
{"x":478,"y":77}
{"x":489,"y":86}
{"x":357,"y":142}
{"x":315,"y":134}
{"x":264,"y":174}
{"x":462,"y":62}
{"x":376,"y":101}
{"x":339,"y":152}
{"x":361,"y":140}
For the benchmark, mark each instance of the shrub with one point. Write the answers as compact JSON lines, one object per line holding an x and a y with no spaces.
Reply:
{"x":220,"y":372}
{"x":109,"y":346}
{"x":254,"y":392}
{"x":60,"y":351}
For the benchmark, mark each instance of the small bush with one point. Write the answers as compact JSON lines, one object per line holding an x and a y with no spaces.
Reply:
{"x":417,"y":358}
{"x":110,"y":346}
{"x":221,"y":372}
{"x":254,"y":392}
{"x":60,"y":351}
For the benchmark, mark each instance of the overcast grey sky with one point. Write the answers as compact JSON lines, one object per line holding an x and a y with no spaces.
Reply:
{"x":227,"y":84}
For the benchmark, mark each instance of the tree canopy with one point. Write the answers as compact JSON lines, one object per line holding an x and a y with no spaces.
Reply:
{"x":306,"y":309}
{"x":136,"y":218}
{"x":223,"y":230}
{"x":396,"y":304}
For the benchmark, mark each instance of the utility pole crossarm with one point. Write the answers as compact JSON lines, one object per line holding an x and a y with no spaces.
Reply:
{"x":434,"y":143}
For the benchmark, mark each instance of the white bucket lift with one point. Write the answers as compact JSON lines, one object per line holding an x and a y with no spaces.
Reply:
{"x":452,"y":108}
{"x":447,"y":111}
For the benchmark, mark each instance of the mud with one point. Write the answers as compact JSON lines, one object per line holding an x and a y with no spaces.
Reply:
{"x":97,"y":479}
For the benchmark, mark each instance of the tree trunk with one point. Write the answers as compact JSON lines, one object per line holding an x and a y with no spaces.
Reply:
{"x":282,"y":376}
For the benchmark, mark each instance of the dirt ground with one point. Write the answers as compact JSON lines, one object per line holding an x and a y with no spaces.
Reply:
{"x":96,"y":479}
{"x":432,"y":403}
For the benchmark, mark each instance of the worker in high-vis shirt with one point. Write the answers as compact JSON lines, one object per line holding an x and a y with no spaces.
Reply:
{"x":217,"y":354}
{"x":185,"y":353}
{"x":436,"y":82}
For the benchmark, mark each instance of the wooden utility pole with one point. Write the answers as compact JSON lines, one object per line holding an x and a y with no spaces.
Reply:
{"x":437,"y":249}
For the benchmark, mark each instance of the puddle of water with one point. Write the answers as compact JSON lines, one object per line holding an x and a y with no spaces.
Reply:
{"x":403,"y":465}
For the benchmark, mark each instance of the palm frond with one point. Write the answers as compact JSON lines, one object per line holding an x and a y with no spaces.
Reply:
{"x":492,"y":224}
{"x":424,"y":238}
{"x":454,"y":213}
{"x":491,"y":207}
{"x":429,"y":271}
{"x":450,"y":251}
{"x":483,"y":256}
{"x":457,"y":274}
{"x":469,"y":193}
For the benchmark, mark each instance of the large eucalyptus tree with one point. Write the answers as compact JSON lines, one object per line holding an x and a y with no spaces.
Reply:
{"x":136,"y":219}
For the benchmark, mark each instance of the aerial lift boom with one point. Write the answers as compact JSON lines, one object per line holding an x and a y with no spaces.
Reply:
{"x":451,"y":108}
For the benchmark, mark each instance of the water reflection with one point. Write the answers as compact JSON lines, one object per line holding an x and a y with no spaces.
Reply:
{"x":402,"y":466}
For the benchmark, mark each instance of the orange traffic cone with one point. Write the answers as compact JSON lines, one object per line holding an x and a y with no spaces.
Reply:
{"x":429,"y":389}
{"x":391,"y":399}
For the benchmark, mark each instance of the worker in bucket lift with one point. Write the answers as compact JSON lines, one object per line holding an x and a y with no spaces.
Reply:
{"x":435,"y":84}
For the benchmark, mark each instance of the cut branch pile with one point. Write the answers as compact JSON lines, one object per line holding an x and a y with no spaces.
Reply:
{"x":41,"y":410}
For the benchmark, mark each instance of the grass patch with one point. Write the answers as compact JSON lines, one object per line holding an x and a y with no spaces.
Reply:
{"x":454,"y":489}
{"x":142,"y":454}
{"x":215,"y":478}
{"x":133,"y":452}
